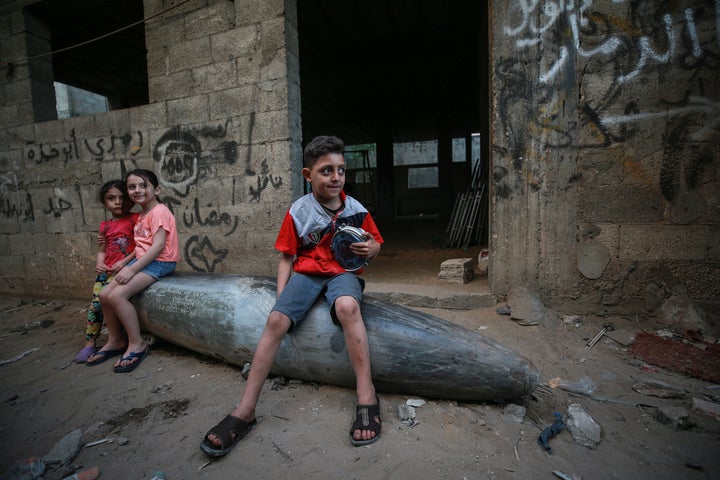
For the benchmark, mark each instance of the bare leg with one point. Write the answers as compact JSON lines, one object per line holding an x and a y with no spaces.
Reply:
{"x":275,"y":329}
{"x":116,"y":337}
{"x":118,"y":311}
{"x":349,"y":316}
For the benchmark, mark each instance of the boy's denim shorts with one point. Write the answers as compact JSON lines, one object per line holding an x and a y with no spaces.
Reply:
{"x":301,"y":292}
{"x":156,"y":269}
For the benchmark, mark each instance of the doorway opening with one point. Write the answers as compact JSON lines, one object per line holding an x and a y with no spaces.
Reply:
{"x":405,"y":85}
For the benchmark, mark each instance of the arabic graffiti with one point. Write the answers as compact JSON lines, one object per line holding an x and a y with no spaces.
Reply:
{"x":201,"y":255}
{"x":693,"y":106}
{"x":264,"y":179}
{"x":56,"y":207}
{"x":660,"y":35}
{"x":181,"y":160}
{"x":185,"y":157}
{"x":176,"y":156}
{"x":597,"y":56}
{"x":17,"y":209}
{"x":683,"y":165}
{"x":21,"y":206}
{"x":613,"y":38}
{"x":192,"y":216}
{"x":5,"y":180}
{"x":189,"y":160}
{"x":74,"y":149}
{"x":106,"y":145}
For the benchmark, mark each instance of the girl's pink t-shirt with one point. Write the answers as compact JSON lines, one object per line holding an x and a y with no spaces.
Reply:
{"x":148,"y":224}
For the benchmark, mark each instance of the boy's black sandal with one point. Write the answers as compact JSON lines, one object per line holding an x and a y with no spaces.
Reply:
{"x":224,"y":431}
{"x":367,"y":417}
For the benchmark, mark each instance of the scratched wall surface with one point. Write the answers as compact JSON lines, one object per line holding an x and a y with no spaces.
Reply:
{"x":221,"y":131}
{"x":606,"y":149}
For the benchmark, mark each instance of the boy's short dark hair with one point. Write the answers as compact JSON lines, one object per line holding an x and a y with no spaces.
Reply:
{"x":322,"y":145}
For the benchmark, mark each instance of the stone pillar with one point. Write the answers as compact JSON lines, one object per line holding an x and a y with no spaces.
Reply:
{"x":37,"y":38}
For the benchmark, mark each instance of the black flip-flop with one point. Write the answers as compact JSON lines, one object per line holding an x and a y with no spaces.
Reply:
{"x":104,"y":355}
{"x":140,"y":356}
{"x":224,"y":431}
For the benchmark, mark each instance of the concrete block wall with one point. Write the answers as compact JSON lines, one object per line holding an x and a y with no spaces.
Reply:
{"x":606,"y":151}
{"x":222,"y":131}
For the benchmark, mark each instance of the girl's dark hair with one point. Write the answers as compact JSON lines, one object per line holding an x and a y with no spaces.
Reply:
{"x":120,"y":185}
{"x":148,"y":175}
{"x":320,"y":146}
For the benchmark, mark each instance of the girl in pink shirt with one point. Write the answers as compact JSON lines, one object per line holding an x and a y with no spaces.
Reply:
{"x":156,"y":255}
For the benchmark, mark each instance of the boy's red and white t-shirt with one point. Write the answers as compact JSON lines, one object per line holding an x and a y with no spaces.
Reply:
{"x":307,"y":232}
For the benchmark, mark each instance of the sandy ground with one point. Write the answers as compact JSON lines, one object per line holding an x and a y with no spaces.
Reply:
{"x":158,"y":414}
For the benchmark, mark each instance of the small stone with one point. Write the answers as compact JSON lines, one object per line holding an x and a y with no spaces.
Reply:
{"x":677,"y":417}
{"x":278,"y":382}
{"x":514,"y":413}
{"x":571,"y":319}
{"x":405,"y":412}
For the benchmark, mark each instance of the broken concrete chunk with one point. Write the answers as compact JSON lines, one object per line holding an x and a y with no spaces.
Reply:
{"x":583,"y":428}
{"x":621,"y":336}
{"x":65,"y":450}
{"x":657,"y":388}
{"x":406,"y":412}
{"x":708,"y":408}
{"x":514,"y":413}
{"x":457,"y":270}
{"x":526,"y":306}
{"x":676,"y":417}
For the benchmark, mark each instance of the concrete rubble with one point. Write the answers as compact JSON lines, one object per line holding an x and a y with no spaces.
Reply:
{"x":583,"y":428}
{"x":526,"y":306}
{"x":457,"y":270}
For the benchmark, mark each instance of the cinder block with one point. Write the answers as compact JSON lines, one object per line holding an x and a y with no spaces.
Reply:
{"x":114,"y":122}
{"x":214,"y":77}
{"x":193,"y":107}
{"x":49,"y":132}
{"x":189,"y":54}
{"x":239,"y":42}
{"x":457,"y":270}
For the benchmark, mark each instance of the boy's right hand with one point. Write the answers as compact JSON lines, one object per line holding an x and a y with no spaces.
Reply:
{"x":101,"y":268}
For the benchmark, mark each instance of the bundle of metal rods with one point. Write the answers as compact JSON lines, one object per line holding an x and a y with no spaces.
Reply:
{"x":469,"y":213}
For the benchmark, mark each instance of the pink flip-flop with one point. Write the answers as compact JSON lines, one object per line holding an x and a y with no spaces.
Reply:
{"x":84,"y":354}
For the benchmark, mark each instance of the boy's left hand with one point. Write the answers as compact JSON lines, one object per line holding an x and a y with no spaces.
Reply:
{"x":366,"y":249}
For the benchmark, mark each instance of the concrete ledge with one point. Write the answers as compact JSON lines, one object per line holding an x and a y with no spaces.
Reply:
{"x":429,"y":296}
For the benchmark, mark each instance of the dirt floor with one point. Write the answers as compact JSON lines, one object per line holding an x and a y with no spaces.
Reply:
{"x":157,"y":415}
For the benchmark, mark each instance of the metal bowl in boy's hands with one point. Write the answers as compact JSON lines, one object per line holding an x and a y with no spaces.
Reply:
{"x":341,"y":241}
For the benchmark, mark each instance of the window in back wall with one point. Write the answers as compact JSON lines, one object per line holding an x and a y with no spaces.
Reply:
{"x":113,"y":67}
